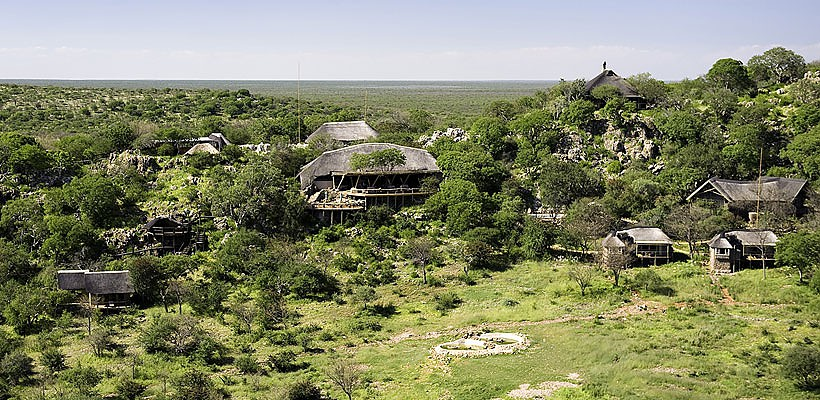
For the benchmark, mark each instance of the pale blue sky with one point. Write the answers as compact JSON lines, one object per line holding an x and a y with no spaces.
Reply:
{"x":372,"y":40}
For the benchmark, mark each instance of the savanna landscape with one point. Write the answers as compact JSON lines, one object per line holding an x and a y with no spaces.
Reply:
{"x":269,"y":300}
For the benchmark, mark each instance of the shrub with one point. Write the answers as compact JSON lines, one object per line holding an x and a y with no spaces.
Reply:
{"x":283,"y":361}
{"x":303,"y":390}
{"x":246,"y":364}
{"x":802,"y":364}
{"x":195,"y":384}
{"x":129,"y":389}
{"x":53,"y":360}
{"x":16,"y":367}
{"x":82,"y":378}
{"x":446,"y":301}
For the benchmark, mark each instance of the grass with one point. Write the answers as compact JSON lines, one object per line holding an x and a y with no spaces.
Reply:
{"x":698,"y":348}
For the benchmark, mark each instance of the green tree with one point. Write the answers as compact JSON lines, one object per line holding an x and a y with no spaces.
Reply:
{"x":655,"y":92}
{"x":491,"y":133}
{"x":16,"y":367}
{"x":258,"y":197}
{"x":682,"y":126}
{"x":537,"y":238}
{"x":459,"y":203}
{"x":730,"y":74}
{"x":579,"y":113}
{"x":22,"y":222}
{"x":802,"y":364}
{"x":800,"y":250}
{"x":804,"y":152}
{"x":15,"y":264}
{"x":96,"y":197}
{"x":562,"y":182}
{"x":382,"y":160}
{"x":472,"y":165}
{"x":776,"y":65}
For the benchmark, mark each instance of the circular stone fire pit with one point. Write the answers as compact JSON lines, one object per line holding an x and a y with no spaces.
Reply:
{"x":484,"y":344}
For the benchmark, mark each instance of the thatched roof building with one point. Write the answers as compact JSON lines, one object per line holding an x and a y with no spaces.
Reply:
{"x":345,"y":132}
{"x":609,"y":77}
{"x":730,"y":251}
{"x":96,"y":283}
{"x":771,"y":188}
{"x":646,"y":244}
{"x":337,"y":162}
{"x":206,"y":148}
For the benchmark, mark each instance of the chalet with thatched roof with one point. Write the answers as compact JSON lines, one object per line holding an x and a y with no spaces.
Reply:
{"x":205,"y":148}
{"x":647,"y":245}
{"x":334,"y":187}
{"x":104,"y":288}
{"x":347,"y":132}
{"x":741,"y":197}
{"x":733,"y":250}
{"x":610,"y":78}
{"x":169,"y":236}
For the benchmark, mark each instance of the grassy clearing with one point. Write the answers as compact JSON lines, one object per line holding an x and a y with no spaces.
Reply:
{"x":698,"y":348}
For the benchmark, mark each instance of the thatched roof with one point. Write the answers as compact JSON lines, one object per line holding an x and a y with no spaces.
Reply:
{"x":608,"y":77}
{"x":771,"y":189}
{"x":108,"y":282}
{"x":71,"y":279}
{"x":647,"y":235}
{"x":163,"y":222}
{"x":744,"y":237}
{"x":349,"y":131}
{"x":338,"y":161}
{"x":720,"y":242}
{"x":105,"y":282}
{"x":612,"y":241}
{"x":202,"y":148}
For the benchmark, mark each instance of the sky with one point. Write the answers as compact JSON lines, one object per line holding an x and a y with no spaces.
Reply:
{"x":392,"y":40}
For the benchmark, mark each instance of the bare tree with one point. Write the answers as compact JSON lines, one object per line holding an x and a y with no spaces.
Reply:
{"x":587,"y":219}
{"x":617,"y":261}
{"x":689,"y":222}
{"x":582,"y":274}
{"x":347,"y":375}
{"x":421,"y":251}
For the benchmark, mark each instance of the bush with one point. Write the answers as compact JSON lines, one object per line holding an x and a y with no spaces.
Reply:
{"x":16,"y":367}
{"x":246,"y":364}
{"x":82,"y":378}
{"x":283,"y":361}
{"x":802,"y":364}
{"x":195,"y":384}
{"x":129,"y":389}
{"x":53,"y":360}
{"x":446,"y":302}
{"x":303,"y":390}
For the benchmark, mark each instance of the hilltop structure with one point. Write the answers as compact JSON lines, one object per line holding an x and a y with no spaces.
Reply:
{"x":347,"y":132}
{"x":335,"y":189}
{"x":610,"y":78}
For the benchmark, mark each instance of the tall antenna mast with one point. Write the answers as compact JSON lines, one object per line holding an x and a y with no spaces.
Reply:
{"x":759,"y":187}
{"x":298,"y":109}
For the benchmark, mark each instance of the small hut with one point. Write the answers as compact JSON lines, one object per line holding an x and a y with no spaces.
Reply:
{"x":747,"y":248}
{"x":648,"y":245}
{"x":104,"y":289}
{"x":609,"y":78}
{"x":347,"y":132}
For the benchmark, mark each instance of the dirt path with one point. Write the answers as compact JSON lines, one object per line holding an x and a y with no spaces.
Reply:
{"x":727,"y":298}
